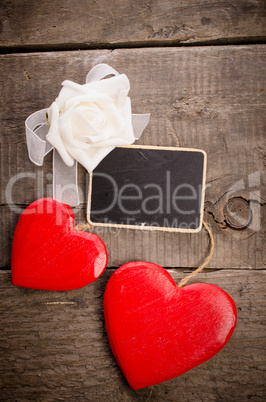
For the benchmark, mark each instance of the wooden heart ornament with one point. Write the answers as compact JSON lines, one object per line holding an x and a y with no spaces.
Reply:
{"x":158,"y":331}
{"x":49,"y":254}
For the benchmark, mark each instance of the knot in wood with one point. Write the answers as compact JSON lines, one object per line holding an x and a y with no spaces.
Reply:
{"x":237,"y":213}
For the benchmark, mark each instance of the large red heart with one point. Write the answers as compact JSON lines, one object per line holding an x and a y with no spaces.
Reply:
{"x":158,"y":331}
{"x":48,"y":253}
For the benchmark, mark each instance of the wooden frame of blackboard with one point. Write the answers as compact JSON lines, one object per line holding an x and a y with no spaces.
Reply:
{"x":152,"y":228}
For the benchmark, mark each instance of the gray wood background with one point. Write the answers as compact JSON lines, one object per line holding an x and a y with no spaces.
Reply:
{"x":199,"y":68}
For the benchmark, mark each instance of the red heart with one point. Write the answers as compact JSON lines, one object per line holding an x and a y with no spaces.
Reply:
{"x":158,"y":331}
{"x":48,"y":253}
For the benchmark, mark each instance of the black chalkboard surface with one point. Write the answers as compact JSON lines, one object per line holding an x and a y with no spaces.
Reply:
{"x":158,"y":188}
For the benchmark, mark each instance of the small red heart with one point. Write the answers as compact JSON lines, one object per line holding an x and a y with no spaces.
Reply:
{"x":49,"y":254}
{"x":158,"y":331}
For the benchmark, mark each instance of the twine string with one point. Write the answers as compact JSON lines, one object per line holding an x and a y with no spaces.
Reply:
{"x":200,"y":268}
{"x":188,"y":277}
{"x":83,"y":226}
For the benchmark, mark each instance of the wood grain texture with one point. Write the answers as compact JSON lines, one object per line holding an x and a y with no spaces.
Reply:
{"x":83,"y":24}
{"x":210,"y":98}
{"x":54,"y":347}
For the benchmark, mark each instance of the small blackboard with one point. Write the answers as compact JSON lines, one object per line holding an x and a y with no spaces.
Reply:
{"x":145,"y":187}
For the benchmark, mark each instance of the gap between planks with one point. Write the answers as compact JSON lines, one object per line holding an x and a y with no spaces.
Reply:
{"x":138,"y":45}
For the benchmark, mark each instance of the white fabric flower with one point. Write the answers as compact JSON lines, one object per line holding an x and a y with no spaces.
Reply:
{"x":88,"y":121}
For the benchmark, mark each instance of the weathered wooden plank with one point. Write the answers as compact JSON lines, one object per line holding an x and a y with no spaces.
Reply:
{"x":58,"y":24}
{"x":203,"y":97}
{"x":54,"y":346}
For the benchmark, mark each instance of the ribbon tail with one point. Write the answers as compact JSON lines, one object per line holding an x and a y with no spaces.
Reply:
{"x":36,"y":130}
{"x":99,"y":72}
{"x":139,"y":123}
{"x":65,"y":186}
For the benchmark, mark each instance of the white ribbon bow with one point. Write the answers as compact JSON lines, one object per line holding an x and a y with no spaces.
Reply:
{"x":65,"y":188}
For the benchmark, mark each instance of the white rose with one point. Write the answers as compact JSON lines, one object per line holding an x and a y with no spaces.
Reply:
{"x":88,"y":121}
